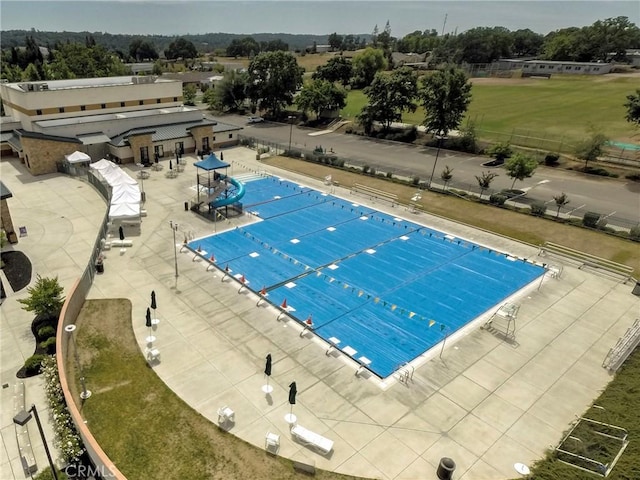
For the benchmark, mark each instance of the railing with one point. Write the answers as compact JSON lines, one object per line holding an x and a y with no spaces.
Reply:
{"x":623,"y":348}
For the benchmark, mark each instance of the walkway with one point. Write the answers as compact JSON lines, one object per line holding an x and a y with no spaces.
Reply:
{"x":486,"y":404}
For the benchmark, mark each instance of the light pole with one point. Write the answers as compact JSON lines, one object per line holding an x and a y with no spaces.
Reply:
{"x":440,"y":138}
{"x":174,"y":227}
{"x":21,"y":419}
{"x":290,"y":118}
{"x":85,"y":393}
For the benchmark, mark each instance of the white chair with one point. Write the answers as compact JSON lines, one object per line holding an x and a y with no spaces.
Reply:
{"x":153,"y":355}
{"x":226,"y":415}
{"x":272,"y":443}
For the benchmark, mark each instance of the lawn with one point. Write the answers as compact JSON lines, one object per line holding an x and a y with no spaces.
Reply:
{"x":563,"y":108}
{"x":146,"y":430}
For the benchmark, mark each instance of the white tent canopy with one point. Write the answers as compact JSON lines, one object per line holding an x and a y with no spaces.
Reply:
{"x":125,"y":192}
{"x":77,"y":157}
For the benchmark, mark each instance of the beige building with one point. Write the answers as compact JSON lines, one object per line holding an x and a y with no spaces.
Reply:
{"x":127,"y":119}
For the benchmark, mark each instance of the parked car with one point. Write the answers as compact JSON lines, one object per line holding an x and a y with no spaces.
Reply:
{"x":253,"y":119}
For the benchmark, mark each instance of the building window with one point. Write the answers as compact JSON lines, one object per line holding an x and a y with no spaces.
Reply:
{"x":596,"y":69}
{"x":61,"y":110}
{"x":214,"y":138}
{"x":541,"y":67}
{"x":568,"y":67}
{"x":175,"y":99}
{"x":205,"y":144}
{"x":159,"y":151}
{"x":141,"y":102}
{"x":180,"y":148}
{"x":103,"y":105}
{"x":158,"y":100}
{"x":83,"y":108}
{"x":38,"y":112}
{"x":122,"y":104}
{"x":231,"y":135}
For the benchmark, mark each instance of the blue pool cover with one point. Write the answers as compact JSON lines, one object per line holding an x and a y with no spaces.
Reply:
{"x":387,"y":288}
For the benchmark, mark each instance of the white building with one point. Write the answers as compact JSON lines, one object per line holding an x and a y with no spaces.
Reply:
{"x":548,"y":67}
{"x":130,"y":119}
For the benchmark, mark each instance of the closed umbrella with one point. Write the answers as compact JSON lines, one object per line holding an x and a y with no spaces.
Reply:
{"x":150,"y":338}
{"x":267,"y":371}
{"x":293,"y":390}
{"x":170,"y":165}
{"x":121,"y":233}
{"x":153,"y":300}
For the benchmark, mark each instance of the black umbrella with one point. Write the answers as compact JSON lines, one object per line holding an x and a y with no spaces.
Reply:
{"x":121,"y":232}
{"x":293,"y":390}
{"x":148,"y":323}
{"x":148,"y":318}
{"x":170,"y":165}
{"x":221,"y":155}
{"x":267,"y":368}
{"x":153,"y":300}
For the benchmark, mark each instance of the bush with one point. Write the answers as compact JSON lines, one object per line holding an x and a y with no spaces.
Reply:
{"x":538,"y":209}
{"x":635,"y":177}
{"x":389,"y":175}
{"x":365,"y":169}
{"x":599,"y":171}
{"x":590,"y":219}
{"x":46,"y":332}
{"x":415,"y":180}
{"x":49,"y":345}
{"x":372,"y":171}
{"x":497,"y":199}
{"x":33,"y":364}
{"x":551,"y":159}
{"x":634,"y":233}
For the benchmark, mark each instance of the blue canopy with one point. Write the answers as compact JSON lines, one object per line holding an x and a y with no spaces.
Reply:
{"x":211,"y":163}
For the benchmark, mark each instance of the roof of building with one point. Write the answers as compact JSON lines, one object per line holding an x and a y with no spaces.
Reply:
{"x":59,"y":122}
{"x":161,"y":133}
{"x":90,"y":82}
{"x":4,"y":192}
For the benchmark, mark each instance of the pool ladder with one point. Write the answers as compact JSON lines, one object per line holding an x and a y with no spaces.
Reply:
{"x":405,"y":373}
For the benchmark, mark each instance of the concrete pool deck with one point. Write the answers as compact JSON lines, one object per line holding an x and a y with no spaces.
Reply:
{"x":487,"y":404}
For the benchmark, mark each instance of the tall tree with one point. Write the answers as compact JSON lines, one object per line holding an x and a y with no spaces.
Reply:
{"x":484,"y":181}
{"x":337,"y":69}
{"x":365,"y":66}
{"x":321,"y":95}
{"x":335,"y":41}
{"x":445,"y":95}
{"x":140,"y":49}
{"x":520,"y":166}
{"x":45,"y":297}
{"x":181,"y":48}
{"x":633,"y":108}
{"x":274,"y":77}
{"x":561,"y":200}
{"x":231,"y":92}
{"x":391,"y":95}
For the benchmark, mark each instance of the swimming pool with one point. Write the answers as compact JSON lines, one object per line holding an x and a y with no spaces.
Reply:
{"x":388,"y":289}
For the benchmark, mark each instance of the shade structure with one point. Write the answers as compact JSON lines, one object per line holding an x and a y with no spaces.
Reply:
{"x":293,"y":390}
{"x":267,"y":367}
{"x":153,"y":299}
{"x":121,"y":232}
{"x":267,"y":371}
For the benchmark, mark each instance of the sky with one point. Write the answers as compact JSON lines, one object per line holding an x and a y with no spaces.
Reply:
{"x":320,"y":17}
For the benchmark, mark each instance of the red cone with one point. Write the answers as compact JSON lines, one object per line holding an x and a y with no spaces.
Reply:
{"x":212,"y":259}
{"x":309,"y":321}
{"x":242,"y":279}
{"x":263,"y":292}
{"x":284,"y":304}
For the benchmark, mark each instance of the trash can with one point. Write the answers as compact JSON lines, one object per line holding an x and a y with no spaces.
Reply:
{"x":446,"y":468}
{"x":186,"y":206}
{"x":100,"y":267}
{"x":143,"y":196}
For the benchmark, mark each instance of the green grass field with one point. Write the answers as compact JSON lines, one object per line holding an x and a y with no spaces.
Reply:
{"x":557,"y":110}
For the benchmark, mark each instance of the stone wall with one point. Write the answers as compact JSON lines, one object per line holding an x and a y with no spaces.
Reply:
{"x":41,"y":155}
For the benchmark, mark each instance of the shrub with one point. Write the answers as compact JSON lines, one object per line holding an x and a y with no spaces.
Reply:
{"x":590,"y":219}
{"x":538,"y":209}
{"x":33,"y":364}
{"x":551,"y":159}
{"x":372,"y":171}
{"x":389,"y":175}
{"x":46,"y":332}
{"x":49,"y":345}
{"x":45,"y":297}
{"x":599,"y":171}
{"x":635,"y":177}
{"x":365,"y":169}
{"x":415,"y":180}
{"x":634,"y":233}
{"x":500,"y":151}
{"x":497,"y":199}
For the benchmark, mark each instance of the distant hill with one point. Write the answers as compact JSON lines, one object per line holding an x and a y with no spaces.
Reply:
{"x":204,"y":43}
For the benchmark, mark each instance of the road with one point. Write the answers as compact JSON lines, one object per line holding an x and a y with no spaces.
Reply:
{"x":618,"y":199}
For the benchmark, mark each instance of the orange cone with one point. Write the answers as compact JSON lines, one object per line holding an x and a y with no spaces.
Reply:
{"x":263,"y":292}
{"x":284,"y":304}
{"x":309,"y":321}
{"x":212,"y":259}
{"x":242,"y":279}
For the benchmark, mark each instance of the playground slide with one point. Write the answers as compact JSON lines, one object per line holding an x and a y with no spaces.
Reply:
{"x":221,"y":202}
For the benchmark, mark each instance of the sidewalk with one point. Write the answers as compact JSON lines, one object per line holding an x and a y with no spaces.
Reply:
{"x":486,"y":404}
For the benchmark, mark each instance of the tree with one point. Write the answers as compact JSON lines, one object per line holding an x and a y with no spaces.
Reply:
{"x":561,"y":200}
{"x":321,"y":95}
{"x":75,"y":60}
{"x":591,"y":148}
{"x":140,"y":49}
{"x":633,"y":108}
{"x":245,"y":47}
{"x":390,"y":95}
{"x":181,"y":48}
{"x":189,"y":95}
{"x":526,"y":42}
{"x":365,"y":66}
{"x":446,"y":175}
{"x":519,"y":167}
{"x":337,"y":69}
{"x":231,"y":92}
{"x":335,"y":41}
{"x":484,"y":181}
{"x":45,"y":297}
{"x":445,"y":95}
{"x":274,"y":77}
{"x":500,"y":151}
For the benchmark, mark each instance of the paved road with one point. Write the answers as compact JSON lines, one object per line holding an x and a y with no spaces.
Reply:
{"x":617,"y":198}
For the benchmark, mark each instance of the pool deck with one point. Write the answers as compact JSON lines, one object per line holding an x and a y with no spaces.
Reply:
{"x":487,"y":403}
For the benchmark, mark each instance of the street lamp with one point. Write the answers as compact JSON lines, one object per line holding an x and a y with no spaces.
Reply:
{"x":440,"y":138}
{"x":21,"y":419}
{"x":174,"y":227}
{"x":290,"y":118}
{"x":85,"y":393}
